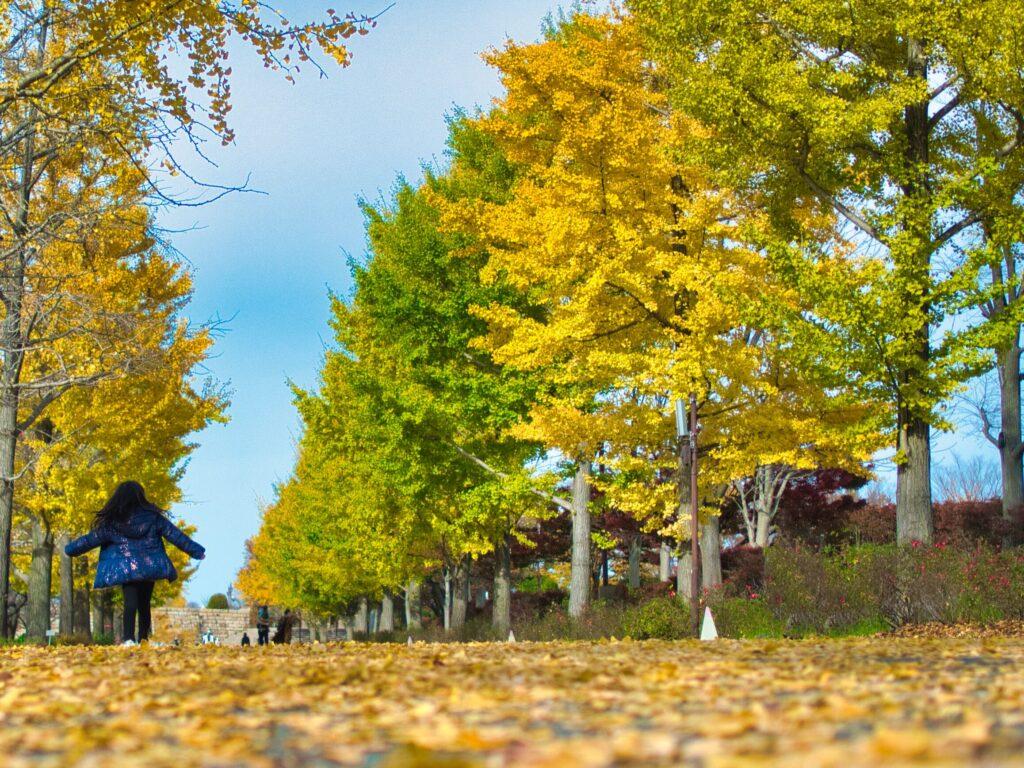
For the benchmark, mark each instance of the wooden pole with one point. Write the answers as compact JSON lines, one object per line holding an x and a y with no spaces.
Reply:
{"x":694,"y":521}
{"x":686,"y":432}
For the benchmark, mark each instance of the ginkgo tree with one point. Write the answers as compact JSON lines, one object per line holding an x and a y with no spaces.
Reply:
{"x":865,"y":109}
{"x":414,"y":414}
{"x":649,"y":276}
{"x":89,"y":106}
{"x":136,"y":419}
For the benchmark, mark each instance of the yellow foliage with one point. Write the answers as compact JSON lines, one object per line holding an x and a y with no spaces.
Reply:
{"x":648,"y":277}
{"x":131,"y":361}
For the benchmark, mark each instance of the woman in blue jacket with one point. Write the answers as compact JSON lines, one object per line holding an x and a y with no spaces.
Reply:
{"x":129,"y":531}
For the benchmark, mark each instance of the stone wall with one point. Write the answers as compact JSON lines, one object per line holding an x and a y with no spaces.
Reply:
{"x":188,"y":624}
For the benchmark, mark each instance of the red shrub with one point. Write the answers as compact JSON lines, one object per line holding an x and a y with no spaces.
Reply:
{"x":743,"y":570}
{"x":815,"y":508}
{"x":528,"y":606}
{"x":873,"y":524}
{"x":653,"y":589}
{"x":958,"y":524}
{"x":963,"y":523}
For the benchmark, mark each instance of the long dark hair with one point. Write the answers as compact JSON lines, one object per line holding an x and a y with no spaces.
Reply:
{"x":126,"y":498}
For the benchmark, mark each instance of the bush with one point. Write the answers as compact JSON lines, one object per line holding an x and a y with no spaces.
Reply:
{"x":873,"y":524}
{"x":600,"y":621}
{"x":875,"y":586}
{"x":653,"y":589}
{"x":218,"y":601}
{"x":745,"y":618}
{"x":957,"y":524}
{"x":969,"y":522}
{"x":824,"y":593}
{"x":528,"y":606}
{"x":743,"y":570}
{"x":664,"y":618}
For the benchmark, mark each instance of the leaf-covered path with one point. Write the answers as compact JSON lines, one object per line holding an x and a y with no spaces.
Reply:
{"x":804,"y":703}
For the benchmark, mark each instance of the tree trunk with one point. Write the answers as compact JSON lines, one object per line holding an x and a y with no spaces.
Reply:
{"x":361,"y":621}
{"x":579,"y":577}
{"x":12,"y":288}
{"x":387,"y":613}
{"x":67,"y":590}
{"x":762,"y":530}
{"x":711,"y":552}
{"x":12,"y":347}
{"x":913,"y":471}
{"x":116,"y":622}
{"x":96,"y":611}
{"x":447,"y":600}
{"x":82,"y":625}
{"x":684,"y":571}
{"x":664,"y":562}
{"x":412,"y":605}
{"x":913,"y":482}
{"x":1009,"y":444}
{"x":106,"y":606}
{"x":635,"y":552}
{"x":39,"y":581}
{"x":8,"y":444}
{"x":460,"y":595}
{"x":501,"y":607}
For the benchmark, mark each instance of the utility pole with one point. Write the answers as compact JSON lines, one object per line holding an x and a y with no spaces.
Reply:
{"x":686,"y":432}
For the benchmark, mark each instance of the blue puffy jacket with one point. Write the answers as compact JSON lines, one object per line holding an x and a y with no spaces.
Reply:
{"x":133,"y":550}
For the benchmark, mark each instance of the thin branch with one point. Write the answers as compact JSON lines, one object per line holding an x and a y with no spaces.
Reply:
{"x":956,"y":229}
{"x":558,"y":500}
{"x":940,"y":115}
{"x":848,"y":213}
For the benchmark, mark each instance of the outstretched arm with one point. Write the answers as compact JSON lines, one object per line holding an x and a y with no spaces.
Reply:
{"x":83,"y":544}
{"x":173,"y":534}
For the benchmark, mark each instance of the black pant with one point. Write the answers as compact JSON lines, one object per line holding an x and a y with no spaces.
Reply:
{"x":263,"y":635}
{"x":137,"y":597}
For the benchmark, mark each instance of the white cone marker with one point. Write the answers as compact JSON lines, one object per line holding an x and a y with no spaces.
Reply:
{"x":708,"y":630}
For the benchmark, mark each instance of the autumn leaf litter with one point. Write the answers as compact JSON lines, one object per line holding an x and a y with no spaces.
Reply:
{"x":850,"y":702}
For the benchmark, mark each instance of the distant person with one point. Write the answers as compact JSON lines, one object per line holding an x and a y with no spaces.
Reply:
{"x":263,"y":625}
{"x":245,"y":640}
{"x":129,"y":531}
{"x":283,"y":635}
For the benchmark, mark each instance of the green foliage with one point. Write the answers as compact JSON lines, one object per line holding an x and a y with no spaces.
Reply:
{"x":664,"y":618}
{"x":405,"y":464}
{"x":769,"y":206}
{"x":219,"y":601}
{"x":537,"y":582}
{"x":888,"y":200}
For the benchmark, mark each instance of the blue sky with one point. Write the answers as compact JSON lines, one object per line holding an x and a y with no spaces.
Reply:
{"x":267,"y":261}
